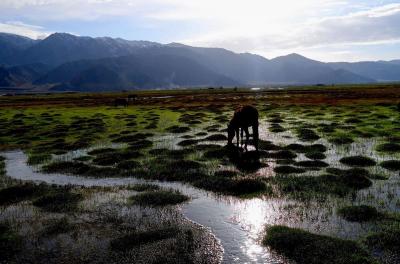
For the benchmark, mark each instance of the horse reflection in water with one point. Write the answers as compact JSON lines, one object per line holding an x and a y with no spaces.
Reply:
{"x":243,"y":118}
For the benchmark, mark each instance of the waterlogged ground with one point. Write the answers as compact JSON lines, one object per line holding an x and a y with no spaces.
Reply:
{"x":328,"y":164}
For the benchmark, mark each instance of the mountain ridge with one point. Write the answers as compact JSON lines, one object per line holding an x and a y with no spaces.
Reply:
{"x":77,"y":62}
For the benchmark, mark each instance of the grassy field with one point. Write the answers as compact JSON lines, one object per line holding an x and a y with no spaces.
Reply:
{"x":325,"y":145}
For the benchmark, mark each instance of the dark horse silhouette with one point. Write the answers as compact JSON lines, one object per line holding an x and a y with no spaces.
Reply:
{"x":121,"y":102}
{"x":243,"y":118}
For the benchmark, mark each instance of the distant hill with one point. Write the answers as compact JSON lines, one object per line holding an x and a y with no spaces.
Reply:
{"x":21,"y":75}
{"x":378,"y":70}
{"x":59,"y":48}
{"x":71,"y":62}
{"x":134,"y":72}
{"x":12,"y":45}
{"x":395,"y":61}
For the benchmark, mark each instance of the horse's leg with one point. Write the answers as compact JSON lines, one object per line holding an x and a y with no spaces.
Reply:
{"x":246,"y":131}
{"x":241,"y":136}
{"x":237,"y":136}
{"x":255,"y":135}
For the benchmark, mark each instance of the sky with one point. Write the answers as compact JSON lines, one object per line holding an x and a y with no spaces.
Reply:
{"x":325,"y":30}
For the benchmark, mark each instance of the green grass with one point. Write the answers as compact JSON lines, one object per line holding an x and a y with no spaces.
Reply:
{"x":22,"y":192}
{"x":38,"y":158}
{"x":311,"y":187}
{"x":306,"y":134}
{"x":142,"y":238}
{"x":57,"y":226}
{"x":393,"y":165}
{"x":10,"y":243}
{"x":358,"y":161}
{"x":309,"y":248}
{"x":389,"y":147}
{"x":359,"y":213}
{"x":286,"y":169}
{"x":384,"y":241}
{"x":237,"y":187}
{"x":62,"y":200}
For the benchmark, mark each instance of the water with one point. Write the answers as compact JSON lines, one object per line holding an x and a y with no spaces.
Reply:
{"x":239,"y":224}
{"x":236,"y":224}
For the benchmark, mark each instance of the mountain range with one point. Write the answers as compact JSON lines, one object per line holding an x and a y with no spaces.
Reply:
{"x":65,"y":62}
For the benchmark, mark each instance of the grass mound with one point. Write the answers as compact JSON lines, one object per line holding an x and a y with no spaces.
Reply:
{"x":306,"y":134}
{"x":38,"y":158}
{"x":178,"y":129}
{"x":288,"y":169}
{"x":281,"y":154}
{"x":356,"y":178}
{"x":236,"y":187}
{"x":10,"y":243}
{"x":343,"y":140}
{"x":312,"y":164}
{"x":267,"y":145}
{"x":393,"y":165}
{"x":384,"y":241}
{"x":140,"y":238}
{"x":59,"y":201}
{"x":276,"y":128}
{"x":309,"y":248}
{"x":128,"y":165}
{"x":359,"y":213}
{"x":101,"y":151}
{"x":57,"y":226}
{"x":389,"y":147}
{"x":216,"y":137}
{"x":66,"y":167}
{"x":158,"y":198}
{"x":358,"y":161}
{"x":107,"y":159}
{"x":226,"y":174}
{"x":188,"y":142}
{"x":140,"y":144}
{"x":306,"y":187}
{"x":19,"y":193}
{"x":315,"y":155}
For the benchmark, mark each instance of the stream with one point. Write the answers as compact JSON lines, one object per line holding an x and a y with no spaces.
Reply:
{"x":237,"y":223}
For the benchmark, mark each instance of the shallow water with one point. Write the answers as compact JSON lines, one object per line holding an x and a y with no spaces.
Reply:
{"x":237,"y":237}
{"x":237,"y":223}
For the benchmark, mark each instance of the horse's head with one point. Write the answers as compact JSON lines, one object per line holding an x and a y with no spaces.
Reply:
{"x":231,"y":133}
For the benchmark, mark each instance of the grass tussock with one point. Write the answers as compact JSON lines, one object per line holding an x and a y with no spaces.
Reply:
{"x":358,"y":161}
{"x":393,"y":165}
{"x":308,"y":248}
{"x":359,"y":213}
{"x":142,"y":238}
{"x":384,"y":241}
{"x":58,"y":201}
{"x":10,"y":243}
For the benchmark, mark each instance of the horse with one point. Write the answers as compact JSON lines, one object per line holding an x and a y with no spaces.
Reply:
{"x":121,"y":102}
{"x":243,"y":118}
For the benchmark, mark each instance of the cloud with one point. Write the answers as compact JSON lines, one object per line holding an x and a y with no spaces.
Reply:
{"x":19,"y":28}
{"x":374,"y":26}
{"x":268,"y":27}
